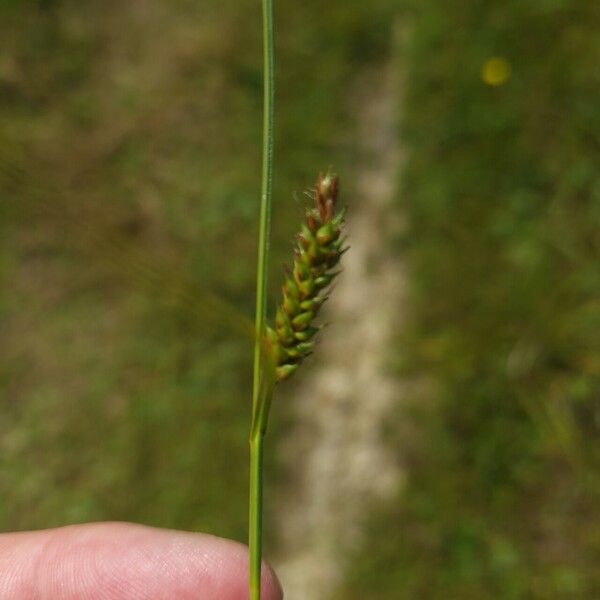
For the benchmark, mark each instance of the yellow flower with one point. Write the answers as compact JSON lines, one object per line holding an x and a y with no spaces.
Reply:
{"x":496,"y":71}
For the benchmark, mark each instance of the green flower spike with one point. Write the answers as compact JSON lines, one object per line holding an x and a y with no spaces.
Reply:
{"x":317,"y":252}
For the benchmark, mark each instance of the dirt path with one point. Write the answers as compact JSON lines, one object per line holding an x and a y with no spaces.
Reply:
{"x":335,"y":449}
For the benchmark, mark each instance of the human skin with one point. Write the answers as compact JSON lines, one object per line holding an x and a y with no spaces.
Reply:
{"x":121,"y":561}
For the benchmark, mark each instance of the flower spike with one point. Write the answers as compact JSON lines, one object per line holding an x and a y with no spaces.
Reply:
{"x":317,"y":250}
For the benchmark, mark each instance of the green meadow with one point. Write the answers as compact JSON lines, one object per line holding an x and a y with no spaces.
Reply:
{"x":129,"y":178}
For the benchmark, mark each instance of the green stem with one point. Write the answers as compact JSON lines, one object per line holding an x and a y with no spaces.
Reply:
{"x":265,"y":200}
{"x":260,"y":393}
{"x":255,"y":520}
{"x":257,"y":436}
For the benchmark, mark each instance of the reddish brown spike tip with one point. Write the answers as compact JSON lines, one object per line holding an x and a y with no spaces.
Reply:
{"x":326,"y":196}
{"x":329,"y":208}
{"x":317,"y":249}
{"x":320,"y":196}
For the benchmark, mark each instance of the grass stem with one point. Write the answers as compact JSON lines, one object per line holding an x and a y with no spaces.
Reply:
{"x":255,"y":520}
{"x":260,"y":394}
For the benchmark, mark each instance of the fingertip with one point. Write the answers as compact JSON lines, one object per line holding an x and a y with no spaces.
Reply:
{"x":271,"y":583}
{"x":119,"y":561}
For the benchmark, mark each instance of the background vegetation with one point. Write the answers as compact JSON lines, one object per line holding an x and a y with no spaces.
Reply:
{"x":129,"y":170}
{"x":502,"y":188}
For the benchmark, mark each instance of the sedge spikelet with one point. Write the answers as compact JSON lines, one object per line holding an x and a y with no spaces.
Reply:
{"x":318,"y":250}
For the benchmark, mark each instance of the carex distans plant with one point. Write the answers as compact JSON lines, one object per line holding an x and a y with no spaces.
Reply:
{"x":318,"y":249}
{"x":280,"y":349}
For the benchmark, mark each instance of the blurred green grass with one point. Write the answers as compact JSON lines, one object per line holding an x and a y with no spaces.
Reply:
{"x":129,"y":176}
{"x":502,"y":191}
{"x":129,"y":170}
